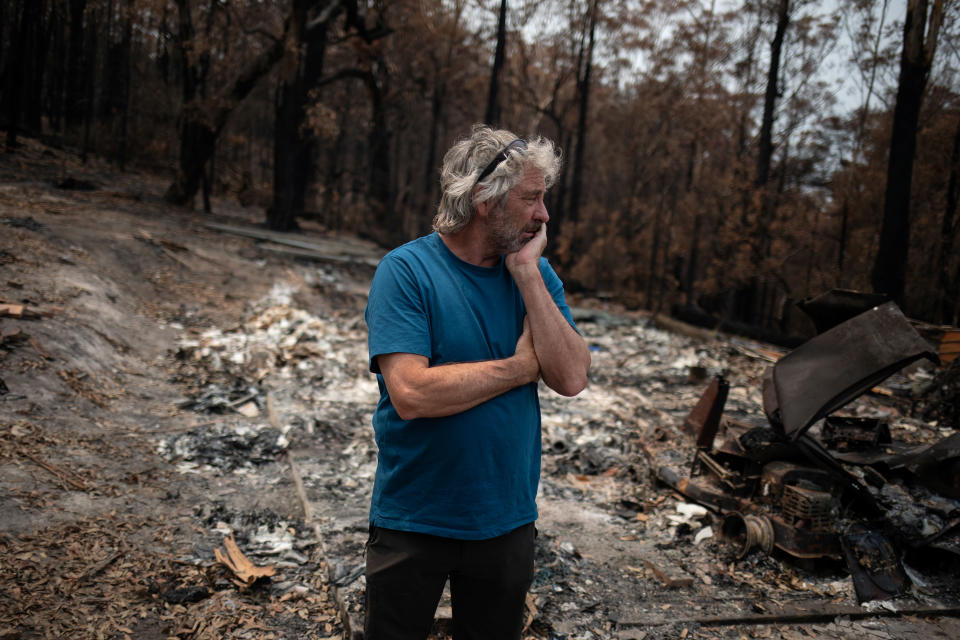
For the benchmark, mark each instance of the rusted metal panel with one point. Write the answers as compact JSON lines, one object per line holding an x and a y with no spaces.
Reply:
{"x":874,"y":564}
{"x":704,"y":420}
{"x":950,"y":346}
{"x":830,"y":370}
{"x":711,"y":497}
{"x":945,"y":337}
{"x":771,"y":404}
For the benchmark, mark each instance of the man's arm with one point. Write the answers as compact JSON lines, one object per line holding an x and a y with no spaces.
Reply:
{"x":562,"y":353}
{"x":418,"y":390}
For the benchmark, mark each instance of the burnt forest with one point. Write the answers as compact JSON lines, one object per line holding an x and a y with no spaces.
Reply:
{"x":755,"y":223}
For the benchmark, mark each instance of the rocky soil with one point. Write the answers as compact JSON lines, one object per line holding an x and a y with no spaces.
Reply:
{"x":167,"y":387}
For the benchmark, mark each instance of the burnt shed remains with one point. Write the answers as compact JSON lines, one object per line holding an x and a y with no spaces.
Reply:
{"x":813,"y":483}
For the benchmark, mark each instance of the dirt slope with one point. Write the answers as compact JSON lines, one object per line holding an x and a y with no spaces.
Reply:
{"x":100,"y":535}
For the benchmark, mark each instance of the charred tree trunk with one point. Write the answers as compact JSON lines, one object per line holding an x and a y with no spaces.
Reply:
{"x":760,"y":241}
{"x":196,"y":136}
{"x":35,"y":59}
{"x":4,"y":54}
{"x":75,"y":87}
{"x":53,"y":104}
{"x":558,"y":198}
{"x":890,"y":268}
{"x":202,"y":120}
{"x":207,"y":182}
{"x":765,"y":151}
{"x":89,"y":83}
{"x":162,"y":54}
{"x":583,"y":86}
{"x":493,"y":103}
{"x":656,"y":242}
{"x":201,"y":125}
{"x":949,"y":287}
{"x":22,"y":73}
{"x":11,"y":79}
{"x":122,"y":87}
{"x":844,"y":222}
{"x":386,"y":221}
{"x":107,"y":78}
{"x":287,"y":202}
{"x":436,"y":124}
{"x":294,"y":144}
{"x":693,"y":261}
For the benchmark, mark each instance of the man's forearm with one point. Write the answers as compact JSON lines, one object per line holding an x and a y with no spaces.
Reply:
{"x":562,"y":353}
{"x":420,"y":391}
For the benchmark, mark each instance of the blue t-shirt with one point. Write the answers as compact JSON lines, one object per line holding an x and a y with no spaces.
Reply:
{"x":473,"y":475}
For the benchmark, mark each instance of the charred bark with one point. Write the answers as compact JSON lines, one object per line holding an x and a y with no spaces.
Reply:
{"x":493,"y":102}
{"x":202,"y":120}
{"x":436,"y":124}
{"x":890,"y":268}
{"x":294,"y":144}
{"x":37,"y":32}
{"x":386,"y":223}
{"x":22,"y":73}
{"x":765,"y":151}
{"x":583,"y":86}
{"x":89,"y":83}
{"x":949,"y":286}
{"x":120,"y":91}
{"x":75,"y":87}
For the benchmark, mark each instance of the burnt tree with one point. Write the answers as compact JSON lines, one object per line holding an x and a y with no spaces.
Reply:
{"x":754,"y":297}
{"x":75,"y":86}
{"x":919,"y":43}
{"x":585,"y":66}
{"x":202,"y":120}
{"x":950,"y":283}
{"x":765,"y":150}
{"x":493,"y":102}
{"x":294,"y":145}
{"x":22,"y":72}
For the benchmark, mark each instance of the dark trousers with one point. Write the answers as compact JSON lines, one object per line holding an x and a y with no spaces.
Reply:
{"x":489,"y":579}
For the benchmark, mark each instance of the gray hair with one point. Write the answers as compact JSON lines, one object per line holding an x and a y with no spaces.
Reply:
{"x":466,"y":160}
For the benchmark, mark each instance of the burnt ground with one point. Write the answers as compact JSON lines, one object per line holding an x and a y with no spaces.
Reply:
{"x":170,"y":384}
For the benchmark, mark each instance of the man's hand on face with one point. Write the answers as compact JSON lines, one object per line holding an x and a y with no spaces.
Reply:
{"x":528,"y":254}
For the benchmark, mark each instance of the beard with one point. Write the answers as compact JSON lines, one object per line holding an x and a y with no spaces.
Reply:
{"x":505,"y":235}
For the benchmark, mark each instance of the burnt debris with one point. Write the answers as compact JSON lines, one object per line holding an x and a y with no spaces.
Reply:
{"x":816,"y":485}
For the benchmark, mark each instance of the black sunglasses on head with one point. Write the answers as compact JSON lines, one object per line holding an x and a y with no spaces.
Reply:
{"x":519,"y":143}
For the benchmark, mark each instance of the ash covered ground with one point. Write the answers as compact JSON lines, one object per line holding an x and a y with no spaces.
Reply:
{"x":170,"y":388}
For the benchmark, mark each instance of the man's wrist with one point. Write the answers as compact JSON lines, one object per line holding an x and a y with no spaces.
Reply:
{"x":527,"y":368}
{"x":525,"y":271}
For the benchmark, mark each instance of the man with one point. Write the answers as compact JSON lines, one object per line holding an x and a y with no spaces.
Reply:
{"x":462,"y":324}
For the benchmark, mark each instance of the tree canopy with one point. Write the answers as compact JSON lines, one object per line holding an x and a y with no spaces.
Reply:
{"x":722,"y":157}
